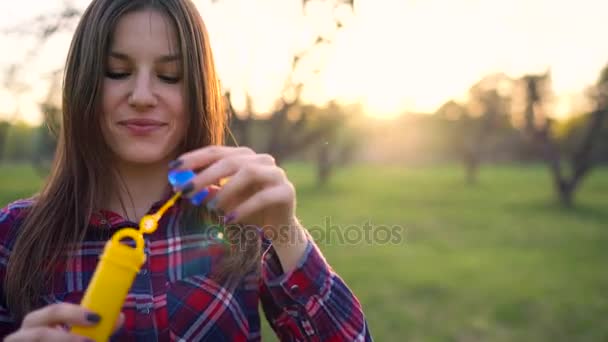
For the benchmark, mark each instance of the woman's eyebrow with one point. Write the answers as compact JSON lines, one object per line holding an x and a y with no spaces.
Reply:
{"x":168,"y":58}
{"x":161,"y":59}
{"x":119,"y":55}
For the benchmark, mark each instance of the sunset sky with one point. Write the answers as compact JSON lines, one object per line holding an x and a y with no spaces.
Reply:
{"x":393,"y":55}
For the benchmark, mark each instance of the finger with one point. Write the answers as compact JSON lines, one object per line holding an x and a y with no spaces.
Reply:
{"x":246,"y":179}
{"x":205,"y":156}
{"x":44,"y":334}
{"x":225,"y":167}
{"x":119,"y":322}
{"x":61,"y":313}
{"x":283,"y":194}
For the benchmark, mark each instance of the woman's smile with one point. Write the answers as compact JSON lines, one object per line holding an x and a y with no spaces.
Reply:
{"x":140,"y":127}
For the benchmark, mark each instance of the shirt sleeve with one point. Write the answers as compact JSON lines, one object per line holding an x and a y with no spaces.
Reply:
{"x":311,"y":302}
{"x":7,"y":220}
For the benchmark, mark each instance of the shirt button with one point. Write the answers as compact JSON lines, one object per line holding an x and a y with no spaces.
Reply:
{"x":294,"y":289}
{"x":144,"y":310}
{"x":143,"y":271}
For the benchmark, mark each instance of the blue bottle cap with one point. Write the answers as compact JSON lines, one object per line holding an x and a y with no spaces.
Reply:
{"x":179,"y":178}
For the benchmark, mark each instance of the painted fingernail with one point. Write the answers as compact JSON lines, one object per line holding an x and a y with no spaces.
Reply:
{"x":175,"y":164}
{"x":199,"y":197}
{"x":211,"y":205}
{"x":93,"y":317}
{"x":187,"y":188}
{"x":230,"y":218}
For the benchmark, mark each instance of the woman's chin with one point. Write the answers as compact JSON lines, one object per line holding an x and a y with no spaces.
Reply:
{"x":143,"y":158}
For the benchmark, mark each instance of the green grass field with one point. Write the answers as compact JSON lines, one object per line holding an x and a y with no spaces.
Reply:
{"x":496,"y":262}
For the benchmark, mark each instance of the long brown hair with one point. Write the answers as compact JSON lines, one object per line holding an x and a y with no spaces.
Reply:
{"x":82,"y":175}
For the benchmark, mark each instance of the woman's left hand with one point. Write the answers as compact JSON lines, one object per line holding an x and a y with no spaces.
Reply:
{"x":258,"y":192}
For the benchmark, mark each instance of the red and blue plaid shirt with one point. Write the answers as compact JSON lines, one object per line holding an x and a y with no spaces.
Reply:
{"x":173,"y":299}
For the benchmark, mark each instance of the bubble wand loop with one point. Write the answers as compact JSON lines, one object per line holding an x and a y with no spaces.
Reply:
{"x":149,"y":223}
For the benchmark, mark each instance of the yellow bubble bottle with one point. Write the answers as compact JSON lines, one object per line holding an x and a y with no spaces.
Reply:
{"x":115,"y":273}
{"x":111,"y":282}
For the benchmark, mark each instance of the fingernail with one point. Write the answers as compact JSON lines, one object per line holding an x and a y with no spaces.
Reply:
{"x":187,"y":188}
{"x":175,"y":164}
{"x":229,"y":218}
{"x":93,"y":317}
{"x":199,"y":197}
{"x":211,"y":205}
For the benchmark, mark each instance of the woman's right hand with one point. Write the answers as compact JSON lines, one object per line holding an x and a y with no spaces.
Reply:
{"x":50,"y":322}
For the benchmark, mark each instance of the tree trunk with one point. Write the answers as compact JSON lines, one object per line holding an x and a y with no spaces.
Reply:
{"x":472,"y":159}
{"x":3,"y":134}
{"x":323,"y":165}
{"x":566,"y":194}
{"x":471,"y":169}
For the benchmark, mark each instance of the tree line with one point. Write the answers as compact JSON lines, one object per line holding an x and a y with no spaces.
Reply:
{"x":504,"y":119}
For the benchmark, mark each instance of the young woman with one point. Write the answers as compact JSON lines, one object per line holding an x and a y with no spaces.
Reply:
{"x":141,"y":97}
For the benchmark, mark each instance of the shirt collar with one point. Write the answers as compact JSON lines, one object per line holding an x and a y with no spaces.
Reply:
{"x":105,"y":218}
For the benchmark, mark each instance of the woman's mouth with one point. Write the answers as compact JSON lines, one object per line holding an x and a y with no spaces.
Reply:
{"x":142,"y":126}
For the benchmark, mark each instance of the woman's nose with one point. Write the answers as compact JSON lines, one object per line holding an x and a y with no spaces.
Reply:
{"x":142,"y":95}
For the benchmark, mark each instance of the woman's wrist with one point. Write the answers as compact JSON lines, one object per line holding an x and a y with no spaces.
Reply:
{"x":290,"y":244}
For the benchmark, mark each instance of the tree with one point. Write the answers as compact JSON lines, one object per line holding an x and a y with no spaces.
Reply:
{"x":5,"y":126}
{"x":567,"y":174}
{"x":338,"y":142}
{"x":289,"y":131}
{"x":45,"y":139}
{"x":14,"y":85}
{"x":18,"y":146}
{"x":480,"y":119}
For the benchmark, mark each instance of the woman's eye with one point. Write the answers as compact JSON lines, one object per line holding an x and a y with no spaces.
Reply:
{"x":117,"y":75}
{"x":169,"y":79}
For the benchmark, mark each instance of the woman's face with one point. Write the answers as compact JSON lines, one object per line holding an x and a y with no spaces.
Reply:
{"x":144,"y":118}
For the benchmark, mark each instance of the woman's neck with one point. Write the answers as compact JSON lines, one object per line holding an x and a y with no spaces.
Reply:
{"x":137,"y":188}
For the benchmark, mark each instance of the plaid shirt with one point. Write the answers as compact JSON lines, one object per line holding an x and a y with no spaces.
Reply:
{"x":173,"y":299}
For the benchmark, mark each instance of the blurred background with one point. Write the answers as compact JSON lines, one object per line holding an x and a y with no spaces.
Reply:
{"x":468,"y":137}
